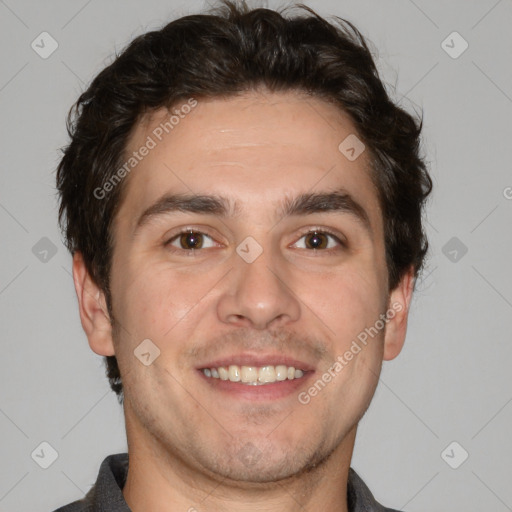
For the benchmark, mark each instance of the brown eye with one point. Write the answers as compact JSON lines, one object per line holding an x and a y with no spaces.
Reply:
{"x":191,"y":240}
{"x":318,"y":240}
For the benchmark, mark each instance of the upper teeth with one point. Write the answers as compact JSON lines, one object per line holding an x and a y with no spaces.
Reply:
{"x":253,"y":374}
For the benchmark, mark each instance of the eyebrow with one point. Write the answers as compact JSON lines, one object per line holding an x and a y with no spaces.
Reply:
{"x":304,"y":204}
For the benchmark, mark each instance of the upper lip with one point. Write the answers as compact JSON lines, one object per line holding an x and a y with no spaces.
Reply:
{"x":252,"y":359}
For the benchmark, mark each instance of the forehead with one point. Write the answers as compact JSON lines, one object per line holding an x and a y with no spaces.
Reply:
{"x":258,"y":145}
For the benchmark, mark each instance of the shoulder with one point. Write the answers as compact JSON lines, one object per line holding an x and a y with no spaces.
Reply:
{"x":106,"y":493}
{"x":360,"y":498}
{"x":86,"y":504}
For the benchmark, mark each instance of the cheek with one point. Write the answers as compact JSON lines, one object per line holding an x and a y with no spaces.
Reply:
{"x":154,"y":299}
{"x":346,"y":301}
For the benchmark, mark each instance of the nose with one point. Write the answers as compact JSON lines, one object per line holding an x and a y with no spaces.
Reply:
{"x":258,"y":295}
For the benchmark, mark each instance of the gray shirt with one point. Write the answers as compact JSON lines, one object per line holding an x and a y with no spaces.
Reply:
{"x":107,"y":493}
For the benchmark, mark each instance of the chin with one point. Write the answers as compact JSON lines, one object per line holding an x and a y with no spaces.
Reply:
{"x":264,"y":463}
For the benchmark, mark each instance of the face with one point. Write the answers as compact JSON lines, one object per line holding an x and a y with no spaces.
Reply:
{"x":247,"y":239}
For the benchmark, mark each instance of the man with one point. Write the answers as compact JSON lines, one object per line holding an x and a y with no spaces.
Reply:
{"x":243,"y":204}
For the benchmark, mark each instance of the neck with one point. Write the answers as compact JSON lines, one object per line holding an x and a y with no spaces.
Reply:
{"x":162,"y":480}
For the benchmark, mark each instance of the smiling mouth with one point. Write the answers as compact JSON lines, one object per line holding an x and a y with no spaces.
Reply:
{"x":254,"y":375}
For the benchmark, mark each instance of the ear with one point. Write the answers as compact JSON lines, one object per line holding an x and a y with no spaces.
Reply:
{"x":93,"y":309}
{"x":398,"y":312}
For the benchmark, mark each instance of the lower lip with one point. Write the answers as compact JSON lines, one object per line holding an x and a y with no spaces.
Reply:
{"x":272,"y":391}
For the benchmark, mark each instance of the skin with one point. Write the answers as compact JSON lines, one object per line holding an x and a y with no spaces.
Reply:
{"x":185,"y":439}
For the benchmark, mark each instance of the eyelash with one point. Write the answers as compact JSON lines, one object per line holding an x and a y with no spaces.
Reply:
{"x":309,"y":231}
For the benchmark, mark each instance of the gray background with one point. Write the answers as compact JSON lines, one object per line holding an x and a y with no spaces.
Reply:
{"x":452,"y":381}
